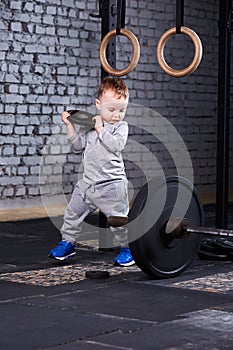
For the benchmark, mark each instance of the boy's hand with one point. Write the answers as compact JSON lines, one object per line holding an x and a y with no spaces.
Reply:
{"x":64,"y":118}
{"x":69,"y":126}
{"x":98,"y":123}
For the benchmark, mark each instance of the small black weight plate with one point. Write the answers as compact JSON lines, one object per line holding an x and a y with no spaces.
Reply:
{"x":97,"y":274}
{"x":223,"y":245}
{"x":204,"y":255}
{"x":82,"y":118}
{"x":207,"y":247}
{"x":156,"y":254}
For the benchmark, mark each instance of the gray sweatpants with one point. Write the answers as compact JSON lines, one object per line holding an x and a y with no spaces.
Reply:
{"x":110,"y":197}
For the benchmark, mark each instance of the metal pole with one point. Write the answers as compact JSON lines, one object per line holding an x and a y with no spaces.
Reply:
{"x":108,"y":22}
{"x":179,"y":15}
{"x":222,"y":166}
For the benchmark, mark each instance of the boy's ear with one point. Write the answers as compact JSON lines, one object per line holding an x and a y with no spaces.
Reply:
{"x":98,"y":103}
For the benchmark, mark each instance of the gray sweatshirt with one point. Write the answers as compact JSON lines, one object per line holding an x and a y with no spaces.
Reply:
{"x":102,"y":153}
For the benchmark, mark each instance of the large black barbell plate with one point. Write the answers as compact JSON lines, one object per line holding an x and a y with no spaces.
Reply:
{"x":156,"y":253}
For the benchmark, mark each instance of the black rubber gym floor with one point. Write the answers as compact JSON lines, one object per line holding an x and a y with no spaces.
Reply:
{"x":45,"y":305}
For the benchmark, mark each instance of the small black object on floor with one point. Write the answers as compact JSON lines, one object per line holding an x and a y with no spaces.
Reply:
{"x":97,"y":274}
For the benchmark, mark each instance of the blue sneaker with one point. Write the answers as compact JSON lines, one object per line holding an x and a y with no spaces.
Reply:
{"x":63,"y":251}
{"x":124,"y":258}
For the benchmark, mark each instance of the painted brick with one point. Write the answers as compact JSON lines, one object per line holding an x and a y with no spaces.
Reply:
{"x":20,"y":191}
{"x":8,"y":192}
{"x":23,"y":170}
{"x":20,"y":130}
{"x":7,"y":150}
{"x":10,"y":160}
{"x":16,"y":26}
{"x":29,"y":6}
{"x":34,"y":191}
{"x":6,"y":129}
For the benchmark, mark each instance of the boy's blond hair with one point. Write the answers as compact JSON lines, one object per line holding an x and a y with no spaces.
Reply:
{"x":115,"y":84}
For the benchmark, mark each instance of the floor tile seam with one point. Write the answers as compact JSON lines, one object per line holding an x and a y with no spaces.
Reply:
{"x":111,"y":332}
{"x":23,"y":299}
{"x":199,"y":290}
{"x":19,"y":299}
{"x":78,"y":342}
{"x":62,"y":294}
{"x":181,"y":286}
{"x":139,"y":320}
{"x":86,"y":289}
{"x":108,"y":346}
{"x":28,"y":301}
{"x":57,"y":345}
{"x":87,"y":313}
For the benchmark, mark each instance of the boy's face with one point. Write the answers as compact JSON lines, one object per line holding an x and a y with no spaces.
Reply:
{"x":112,"y":107}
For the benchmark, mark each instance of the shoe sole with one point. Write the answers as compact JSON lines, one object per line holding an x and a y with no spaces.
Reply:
{"x":61,"y":258}
{"x":126,"y":264}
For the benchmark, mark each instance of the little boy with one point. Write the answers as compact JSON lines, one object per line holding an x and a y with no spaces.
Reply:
{"x":104,"y":183}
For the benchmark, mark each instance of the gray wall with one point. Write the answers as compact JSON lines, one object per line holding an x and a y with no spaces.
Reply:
{"x":49,"y":59}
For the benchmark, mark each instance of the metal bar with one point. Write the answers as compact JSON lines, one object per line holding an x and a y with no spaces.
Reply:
{"x":209,"y":231}
{"x":222,"y":165}
{"x":180,"y":228}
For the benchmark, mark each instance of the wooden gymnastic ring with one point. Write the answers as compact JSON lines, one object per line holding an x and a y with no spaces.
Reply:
{"x":197,"y":56}
{"x":135,"y":57}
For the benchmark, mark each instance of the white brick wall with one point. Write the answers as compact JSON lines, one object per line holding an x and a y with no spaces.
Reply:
{"x":49,"y":59}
